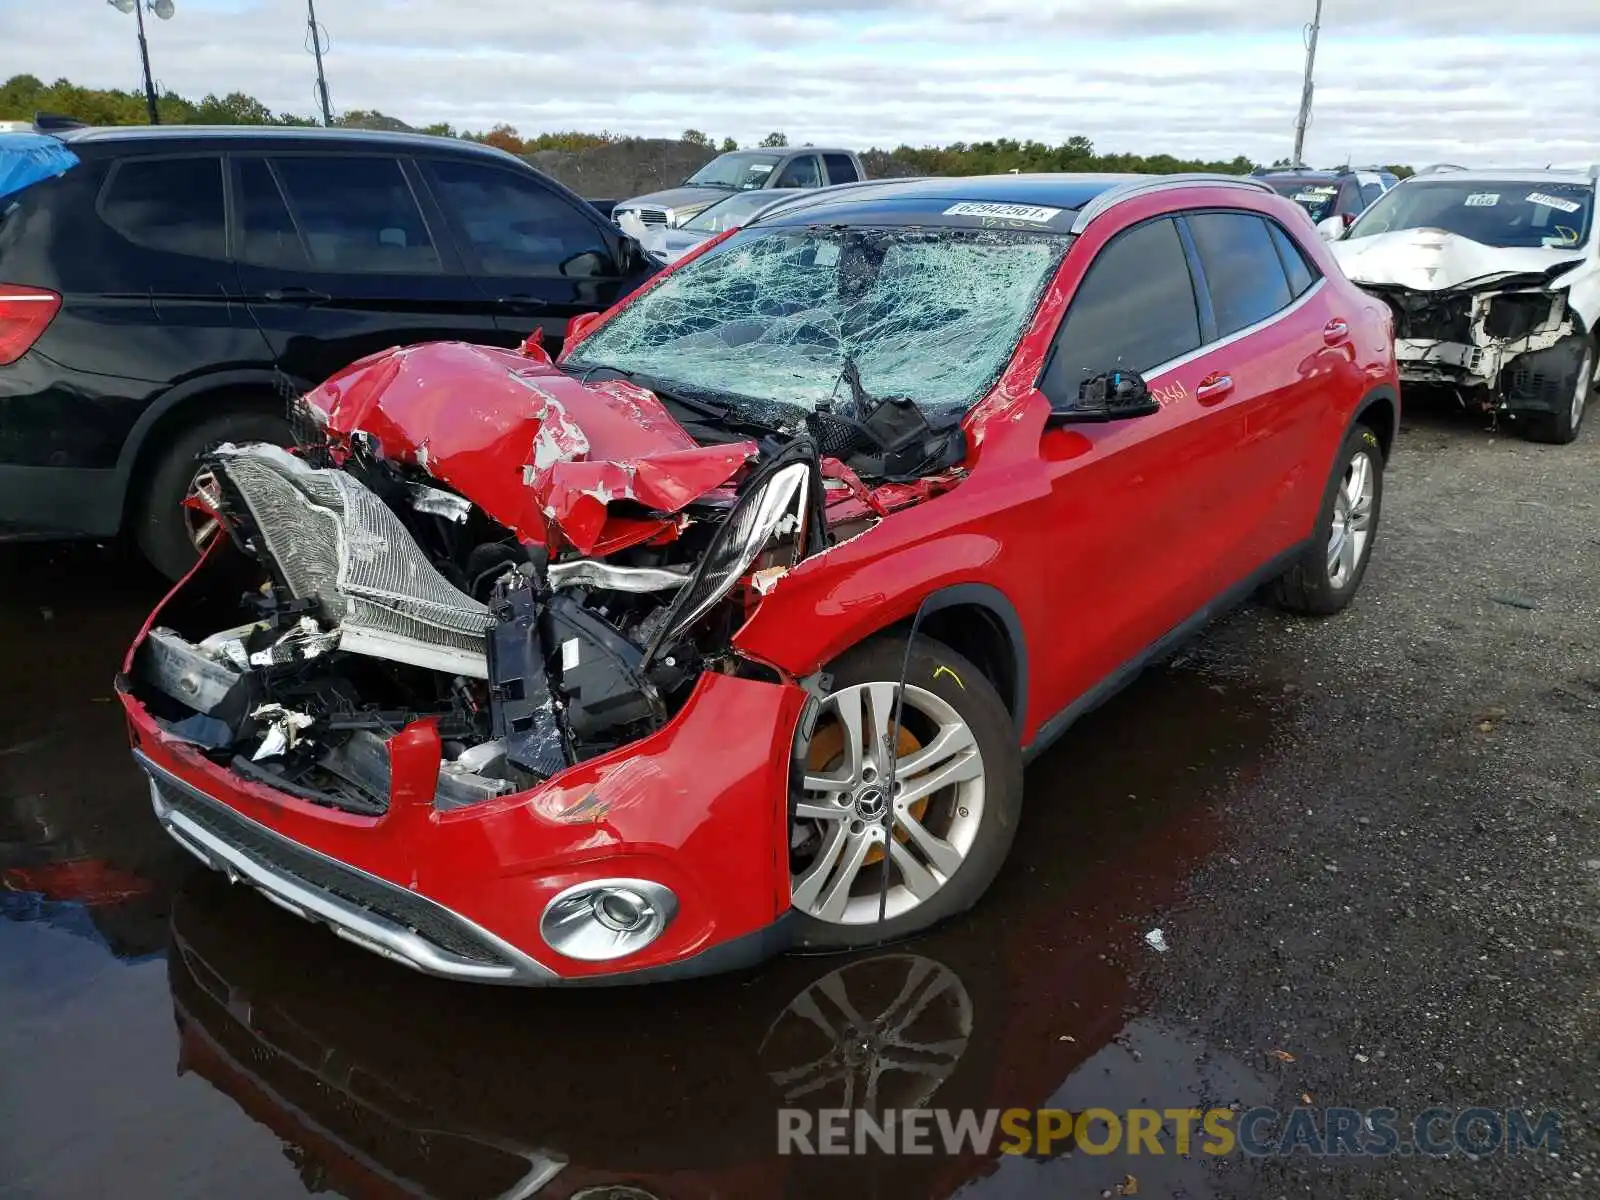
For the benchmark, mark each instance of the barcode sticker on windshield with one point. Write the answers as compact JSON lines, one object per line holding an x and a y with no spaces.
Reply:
{"x":1555,"y":202}
{"x":1482,"y":200}
{"x":1036,"y":213}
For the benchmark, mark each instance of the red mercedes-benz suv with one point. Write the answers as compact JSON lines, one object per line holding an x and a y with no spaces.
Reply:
{"x":733,"y":629}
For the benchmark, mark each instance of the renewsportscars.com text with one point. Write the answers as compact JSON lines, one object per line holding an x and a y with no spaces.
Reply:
{"x":1254,"y":1132}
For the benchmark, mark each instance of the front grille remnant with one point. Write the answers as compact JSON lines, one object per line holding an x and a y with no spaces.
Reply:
{"x":393,"y":904}
{"x":332,"y":539}
{"x":1431,"y":316}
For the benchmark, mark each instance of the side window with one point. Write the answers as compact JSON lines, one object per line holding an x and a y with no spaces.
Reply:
{"x":170,"y":204}
{"x":267,"y":234}
{"x":515,"y":226}
{"x":356,"y":214}
{"x":1246,"y":281}
{"x":840,"y":168}
{"x":1302,"y":274}
{"x":1370,"y":192}
{"x":802,"y":172}
{"x":1134,"y":310}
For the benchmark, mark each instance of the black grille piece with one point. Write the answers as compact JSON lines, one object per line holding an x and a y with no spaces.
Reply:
{"x":394,"y":904}
{"x":1443,"y":317}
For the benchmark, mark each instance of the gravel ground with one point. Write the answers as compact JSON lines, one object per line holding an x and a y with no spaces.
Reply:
{"x":1411,"y":897}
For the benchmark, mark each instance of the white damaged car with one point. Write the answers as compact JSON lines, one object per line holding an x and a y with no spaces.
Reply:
{"x":1494,"y":281}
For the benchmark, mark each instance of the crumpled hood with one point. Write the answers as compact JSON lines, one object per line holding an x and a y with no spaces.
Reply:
{"x":535,"y":449}
{"x":681,"y":198}
{"x":1431,"y":260}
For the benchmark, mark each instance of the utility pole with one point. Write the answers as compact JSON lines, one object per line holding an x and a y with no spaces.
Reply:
{"x":315,"y":33}
{"x":1305,"y":94}
{"x":144,"y":57}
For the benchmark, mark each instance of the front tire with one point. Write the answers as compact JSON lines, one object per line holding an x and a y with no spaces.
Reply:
{"x":1561,"y":427}
{"x":1329,"y":570}
{"x":170,"y":534}
{"x":953,"y":801}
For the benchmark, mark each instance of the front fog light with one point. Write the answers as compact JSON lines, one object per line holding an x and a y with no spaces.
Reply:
{"x":607,"y":918}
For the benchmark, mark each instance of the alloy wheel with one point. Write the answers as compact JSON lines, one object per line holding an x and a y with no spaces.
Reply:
{"x":1352,"y":519}
{"x":1580,"y":393}
{"x":929,"y":792}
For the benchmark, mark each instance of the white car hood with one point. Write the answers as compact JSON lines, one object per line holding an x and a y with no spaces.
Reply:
{"x":1430,"y":260}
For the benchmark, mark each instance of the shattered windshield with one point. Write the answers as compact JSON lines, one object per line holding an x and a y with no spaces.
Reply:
{"x":1503,"y":213}
{"x":780,"y":316}
{"x":1316,"y":196}
{"x":743,"y":169}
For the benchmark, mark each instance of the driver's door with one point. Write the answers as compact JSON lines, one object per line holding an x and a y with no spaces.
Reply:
{"x":541,"y":258}
{"x":1126,"y":551}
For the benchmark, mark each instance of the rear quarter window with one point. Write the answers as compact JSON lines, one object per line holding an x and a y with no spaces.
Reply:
{"x":840,"y":168}
{"x":169,"y":204}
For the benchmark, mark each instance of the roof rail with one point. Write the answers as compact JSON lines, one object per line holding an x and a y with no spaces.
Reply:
{"x":1437,"y":168}
{"x":1160,"y":183}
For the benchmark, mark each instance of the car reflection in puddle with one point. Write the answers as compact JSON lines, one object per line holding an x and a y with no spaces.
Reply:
{"x":380,"y":1082}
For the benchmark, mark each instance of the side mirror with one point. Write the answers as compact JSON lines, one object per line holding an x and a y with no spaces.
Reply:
{"x":1332,"y":228}
{"x":579,"y":326}
{"x":1114,"y":396}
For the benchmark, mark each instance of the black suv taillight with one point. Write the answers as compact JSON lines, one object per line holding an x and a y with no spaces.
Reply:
{"x":24,"y":313}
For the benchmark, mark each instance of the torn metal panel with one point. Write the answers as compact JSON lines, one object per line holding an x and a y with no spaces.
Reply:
{"x":539,"y":451}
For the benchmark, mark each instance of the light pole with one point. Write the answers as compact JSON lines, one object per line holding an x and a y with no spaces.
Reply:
{"x":163,"y":10}
{"x":1305,"y":94}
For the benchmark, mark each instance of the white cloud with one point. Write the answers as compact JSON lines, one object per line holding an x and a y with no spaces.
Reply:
{"x":1421,"y":81}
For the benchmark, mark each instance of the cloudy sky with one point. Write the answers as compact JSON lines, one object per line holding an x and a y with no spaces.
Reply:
{"x":1474,"y":81}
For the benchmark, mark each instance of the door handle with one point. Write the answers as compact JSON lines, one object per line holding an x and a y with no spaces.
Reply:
{"x":521,"y":300}
{"x":1214,"y":388}
{"x":297,"y":295}
{"x":1336,"y":331}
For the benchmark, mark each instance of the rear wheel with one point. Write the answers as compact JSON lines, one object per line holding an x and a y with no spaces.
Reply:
{"x":949,"y":796}
{"x":170,"y":533}
{"x":1325,"y":577}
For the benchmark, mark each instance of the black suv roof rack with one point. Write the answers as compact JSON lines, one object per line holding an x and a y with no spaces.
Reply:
{"x":48,"y":122}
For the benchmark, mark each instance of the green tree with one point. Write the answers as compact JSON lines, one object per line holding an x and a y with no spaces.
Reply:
{"x":695,"y":138}
{"x":775,"y":139}
{"x":729,"y":144}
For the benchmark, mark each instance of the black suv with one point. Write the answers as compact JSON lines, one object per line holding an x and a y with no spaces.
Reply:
{"x":1344,"y":193}
{"x":171,"y":287}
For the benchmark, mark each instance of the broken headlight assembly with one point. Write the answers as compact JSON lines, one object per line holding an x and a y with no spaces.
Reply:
{"x":776,"y":505}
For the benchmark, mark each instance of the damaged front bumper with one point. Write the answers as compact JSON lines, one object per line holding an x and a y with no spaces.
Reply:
{"x":1504,"y":346}
{"x":464,"y":893}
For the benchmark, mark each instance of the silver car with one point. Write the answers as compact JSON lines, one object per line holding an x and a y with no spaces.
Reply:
{"x":730,"y":213}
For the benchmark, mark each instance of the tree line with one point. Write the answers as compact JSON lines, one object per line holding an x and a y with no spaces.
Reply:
{"x":22,"y":96}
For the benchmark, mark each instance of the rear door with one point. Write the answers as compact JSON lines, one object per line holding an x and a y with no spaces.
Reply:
{"x":338,"y":260}
{"x":538,"y":257}
{"x":1126,"y":536}
{"x":1274,"y":363}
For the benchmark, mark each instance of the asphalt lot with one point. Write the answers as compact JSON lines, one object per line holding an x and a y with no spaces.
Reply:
{"x":1371,"y":844}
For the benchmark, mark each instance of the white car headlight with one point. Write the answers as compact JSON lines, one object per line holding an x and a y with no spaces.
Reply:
{"x":755,"y":519}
